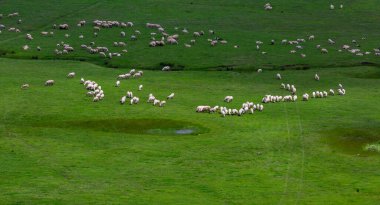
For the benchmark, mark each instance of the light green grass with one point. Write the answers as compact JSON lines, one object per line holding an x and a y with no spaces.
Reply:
{"x":58,"y":147}
{"x":278,"y":156}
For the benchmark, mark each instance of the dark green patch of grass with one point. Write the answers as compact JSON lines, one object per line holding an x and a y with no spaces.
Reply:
{"x":131,"y":126}
{"x":353,"y":141}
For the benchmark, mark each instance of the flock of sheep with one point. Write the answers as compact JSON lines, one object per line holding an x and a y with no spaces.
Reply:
{"x":250,"y":107}
{"x":95,"y":91}
{"x":159,"y":36}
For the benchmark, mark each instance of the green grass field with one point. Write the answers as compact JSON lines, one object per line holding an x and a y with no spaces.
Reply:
{"x":59,"y":147}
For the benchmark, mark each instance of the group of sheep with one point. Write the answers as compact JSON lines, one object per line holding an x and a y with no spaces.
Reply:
{"x":247,"y":107}
{"x":98,"y":24}
{"x":151,"y":99}
{"x":94,"y":90}
{"x":162,"y":38}
{"x":132,"y":73}
{"x":134,"y":99}
{"x":332,"y":7}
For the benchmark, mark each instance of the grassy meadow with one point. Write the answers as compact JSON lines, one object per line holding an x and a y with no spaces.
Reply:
{"x":59,"y":147}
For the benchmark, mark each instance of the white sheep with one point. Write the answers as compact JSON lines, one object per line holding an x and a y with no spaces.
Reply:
{"x":203,"y":108}
{"x":316,"y":77}
{"x":151,"y":98}
{"x":71,"y":75}
{"x":134,"y":100}
{"x":123,"y":99}
{"x":117,"y":83}
{"x":49,"y":82}
{"x":156,"y":102}
{"x":129,"y":94}
{"x":305,"y":97}
{"x":140,"y":87}
{"x":162,"y":103}
{"x":228,"y":99}
{"x":166,"y":68}
{"x":171,"y":96}
{"x":331,"y":91}
{"x":25,"y":86}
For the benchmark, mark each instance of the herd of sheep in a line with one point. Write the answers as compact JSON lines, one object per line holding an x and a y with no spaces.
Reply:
{"x":161,"y":37}
{"x":250,"y":107}
{"x":95,"y":91}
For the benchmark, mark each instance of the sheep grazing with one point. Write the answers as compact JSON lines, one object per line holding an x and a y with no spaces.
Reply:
{"x":123,"y":99}
{"x":293,"y":89}
{"x":171,"y":96}
{"x":25,"y":86}
{"x":140,"y":87}
{"x":82,"y":81}
{"x":331,"y":41}
{"x":117,"y":83}
{"x":129,"y":94}
{"x":13,"y":14}
{"x":151,"y":98}
{"x":259,"y":70}
{"x":171,"y":40}
{"x":324,"y":50}
{"x":203,"y":108}
{"x":331,"y":91}
{"x":332,"y":7}
{"x":25,"y":47}
{"x":341,"y":6}
{"x":81,"y":23}
{"x":288,"y":86}
{"x":162,"y":103}
{"x":29,"y":37}
{"x":49,"y":83}
{"x":156,"y":102}
{"x":312,"y":37}
{"x":228,"y":99}
{"x":137,"y":75}
{"x":134,"y":100}
{"x":305,"y":97}
{"x":341,"y":91}
{"x":278,"y":76}
{"x":166,"y":68}
{"x":268,"y":6}
{"x":71,"y":75}
{"x":63,"y":27}
{"x":316,"y":77}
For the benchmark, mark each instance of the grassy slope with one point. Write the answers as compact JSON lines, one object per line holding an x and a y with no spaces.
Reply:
{"x":277,"y":156}
{"x":240,"y":22}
